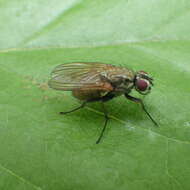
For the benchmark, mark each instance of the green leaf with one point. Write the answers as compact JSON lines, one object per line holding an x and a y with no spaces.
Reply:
{"x":41,"y":149}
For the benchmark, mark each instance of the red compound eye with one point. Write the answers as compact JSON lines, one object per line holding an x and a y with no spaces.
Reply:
{"x":141,"y":84}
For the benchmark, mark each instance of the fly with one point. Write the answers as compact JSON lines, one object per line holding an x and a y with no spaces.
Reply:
{"x":90,"y":82}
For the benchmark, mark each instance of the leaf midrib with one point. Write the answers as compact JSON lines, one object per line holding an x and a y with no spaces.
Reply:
{"x":148,"y":41}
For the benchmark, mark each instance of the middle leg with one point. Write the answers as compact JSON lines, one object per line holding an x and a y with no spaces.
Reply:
{"x":105,"y":124}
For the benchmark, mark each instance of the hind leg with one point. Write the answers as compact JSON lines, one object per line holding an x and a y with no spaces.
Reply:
{"x":75,"y":109}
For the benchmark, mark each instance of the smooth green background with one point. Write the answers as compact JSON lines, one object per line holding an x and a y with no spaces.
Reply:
{"x":39,"y":149}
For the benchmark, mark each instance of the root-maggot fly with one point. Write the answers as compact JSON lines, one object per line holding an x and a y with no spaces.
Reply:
{"x":90,"y":82}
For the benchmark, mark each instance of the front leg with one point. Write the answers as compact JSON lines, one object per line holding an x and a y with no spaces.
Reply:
{"x":138,"y":100}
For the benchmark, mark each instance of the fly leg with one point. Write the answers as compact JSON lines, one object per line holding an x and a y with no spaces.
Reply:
{"x":142,"y":105}
{"x":105,"y":124}
{"x":81,"y":106}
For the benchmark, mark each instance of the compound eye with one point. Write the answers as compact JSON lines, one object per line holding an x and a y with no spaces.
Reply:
{"x":142,"y":85}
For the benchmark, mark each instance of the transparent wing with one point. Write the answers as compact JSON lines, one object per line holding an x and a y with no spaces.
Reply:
{"x":83,"y":76}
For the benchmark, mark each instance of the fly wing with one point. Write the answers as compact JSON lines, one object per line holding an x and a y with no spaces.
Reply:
{"x":83,"y":76}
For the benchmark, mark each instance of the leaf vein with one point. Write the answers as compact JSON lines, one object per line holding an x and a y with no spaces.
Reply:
{"x":19,"y":177}
{"x":146,"y":130}
{"x":102,"y":44}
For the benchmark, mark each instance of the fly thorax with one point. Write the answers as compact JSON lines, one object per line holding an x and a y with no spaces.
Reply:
{"x":122,"y":83}
{"x":125,"y":87}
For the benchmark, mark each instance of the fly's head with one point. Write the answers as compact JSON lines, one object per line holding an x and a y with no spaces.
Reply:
{"x":143,"y":82}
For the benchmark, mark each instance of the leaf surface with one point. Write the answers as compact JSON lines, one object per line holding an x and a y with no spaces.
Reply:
{"x":41,"y":149}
